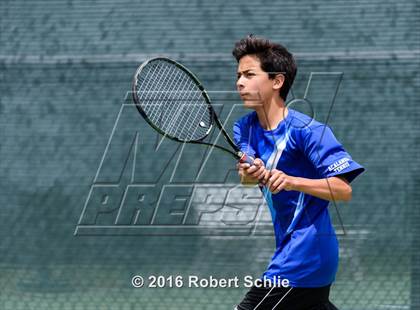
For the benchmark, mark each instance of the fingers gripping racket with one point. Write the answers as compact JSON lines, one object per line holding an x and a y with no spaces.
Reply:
{"x":174,"y":102}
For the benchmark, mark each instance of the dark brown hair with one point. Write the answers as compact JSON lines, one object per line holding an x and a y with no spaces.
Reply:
{"x":274,"y":59}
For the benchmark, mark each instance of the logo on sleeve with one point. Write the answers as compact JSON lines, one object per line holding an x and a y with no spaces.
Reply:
{"x":339,"y":165}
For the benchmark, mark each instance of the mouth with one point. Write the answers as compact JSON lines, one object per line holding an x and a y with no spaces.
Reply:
{"x":244,"y":95}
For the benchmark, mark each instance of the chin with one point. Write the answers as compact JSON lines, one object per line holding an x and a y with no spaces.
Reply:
{"x":251,"y":104}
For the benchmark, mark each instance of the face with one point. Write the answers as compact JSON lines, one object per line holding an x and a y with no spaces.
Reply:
{"x":253,"y":84}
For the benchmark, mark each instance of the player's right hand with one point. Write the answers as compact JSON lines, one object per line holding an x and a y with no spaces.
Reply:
{"x":255,"y":173}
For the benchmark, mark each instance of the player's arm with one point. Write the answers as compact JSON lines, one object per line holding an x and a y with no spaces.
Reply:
{"x":252,"y":174}
{"x":333,"y":188}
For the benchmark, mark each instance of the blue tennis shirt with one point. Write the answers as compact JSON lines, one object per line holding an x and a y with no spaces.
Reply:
{"x":306,"y":244}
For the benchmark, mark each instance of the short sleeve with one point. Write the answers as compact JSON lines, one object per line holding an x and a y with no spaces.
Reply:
{"x":328,"y":155}
{"x":242,"y":137}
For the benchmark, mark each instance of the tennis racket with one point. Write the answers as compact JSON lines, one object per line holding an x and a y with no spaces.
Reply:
{"x":174,"y":102}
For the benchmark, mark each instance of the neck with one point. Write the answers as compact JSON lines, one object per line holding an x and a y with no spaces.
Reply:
{"x":270,"y":114}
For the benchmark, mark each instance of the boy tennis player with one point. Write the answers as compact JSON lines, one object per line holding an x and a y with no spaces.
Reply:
{"x":302,"y":167}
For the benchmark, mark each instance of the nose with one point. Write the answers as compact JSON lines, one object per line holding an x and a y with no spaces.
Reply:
{"x":240,"y":84}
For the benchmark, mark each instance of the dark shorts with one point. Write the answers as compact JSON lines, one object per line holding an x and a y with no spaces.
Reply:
{"x":290,"y":298}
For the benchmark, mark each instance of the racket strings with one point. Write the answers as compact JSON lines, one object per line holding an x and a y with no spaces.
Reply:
{"x":159,"y":102}
{"x":173,"y":101}
{"x":182,"y":118}
{"x":151,"y":105}
{"x":148,"y":97}
{"x":184,"y":121}
{"x":179,"y":108}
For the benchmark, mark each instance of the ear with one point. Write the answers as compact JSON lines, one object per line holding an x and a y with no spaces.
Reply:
{"x":278,"y":81}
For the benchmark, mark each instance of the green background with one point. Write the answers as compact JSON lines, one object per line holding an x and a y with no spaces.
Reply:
{"x":65,"y":70}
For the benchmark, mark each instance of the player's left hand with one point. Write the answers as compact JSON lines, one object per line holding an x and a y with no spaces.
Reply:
{"x":279,"y":181}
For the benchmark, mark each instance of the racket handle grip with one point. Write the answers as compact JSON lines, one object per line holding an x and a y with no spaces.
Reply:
{"x":246,"y":159}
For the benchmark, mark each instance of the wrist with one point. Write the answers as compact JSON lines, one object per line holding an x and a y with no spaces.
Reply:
{"x":297,"y":184}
